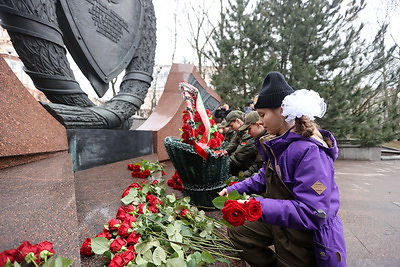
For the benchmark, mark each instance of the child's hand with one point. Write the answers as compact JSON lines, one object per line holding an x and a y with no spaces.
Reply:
{"x":223,"y":193}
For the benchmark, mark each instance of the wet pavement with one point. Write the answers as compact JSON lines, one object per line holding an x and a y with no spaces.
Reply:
{"x":370,"y":211}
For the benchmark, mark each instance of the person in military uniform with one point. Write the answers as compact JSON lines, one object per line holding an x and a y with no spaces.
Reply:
{"x":241,"y":148}
{"x":256,"y":130}
{"x":226,"y":131}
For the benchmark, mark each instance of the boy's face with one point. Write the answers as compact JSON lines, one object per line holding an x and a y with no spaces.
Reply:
{"x":235,"y":125}
{"x":255,"y":129}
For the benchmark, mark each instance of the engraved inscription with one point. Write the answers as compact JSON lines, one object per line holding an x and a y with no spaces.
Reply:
{"x":107,"y":21}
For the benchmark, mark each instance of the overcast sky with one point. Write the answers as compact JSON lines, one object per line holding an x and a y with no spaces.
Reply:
{"x":167,"y":10}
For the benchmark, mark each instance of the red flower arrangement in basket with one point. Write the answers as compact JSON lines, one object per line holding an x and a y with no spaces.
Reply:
{"x":194,"y":129}
{"x":199,"y":129}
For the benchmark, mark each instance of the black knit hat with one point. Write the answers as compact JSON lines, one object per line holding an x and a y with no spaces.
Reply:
{"x":273,"y":91}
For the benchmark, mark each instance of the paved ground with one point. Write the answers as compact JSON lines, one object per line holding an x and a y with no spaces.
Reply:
{"x":370,"y":211}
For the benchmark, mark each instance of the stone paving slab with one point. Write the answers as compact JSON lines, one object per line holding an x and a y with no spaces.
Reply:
{"x":370,"y":207}
{"x":370,"y":211}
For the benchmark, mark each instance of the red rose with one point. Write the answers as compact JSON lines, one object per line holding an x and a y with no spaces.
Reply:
{"x":253,"y":210}
{"x":213,"y":143}
{"x":121,"y":214}
{"x":155,"y":182}
{"x":212,"y":122}
{"x":123,"y":230}
{"x":117,"y":244}
{"x":185,"y":213}
{"x":126,"y":192}
{"x":140,"y":208}
{"x":86,"y":248}
{"x":133,"y":238}
{"x":171,"y":183}
{"x":105,"y":235}
{"x":136,"y":174}
{"x":45,"y":245}
{"x":7,"y":255}
{"x":136,"y":168}
{"x":208,"y":113}
{"x":130,"y":209}
{"x":130,"y":219}
{"x":153,"y":209}
{"x":146,"y":173}
{"x":128,"y":256}
{"x":23,"y":250}
{"x":117,"y":261}
{"x":232,"y":183}
{"x":163,"y":173}
{"x":130,"y":167}
{"x":113,"y":224}
{"x":234,"y":212}
{"x":136,"y":185}
{"x":153,"y":200}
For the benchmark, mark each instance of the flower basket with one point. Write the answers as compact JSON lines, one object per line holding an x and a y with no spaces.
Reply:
{"x":202,"y":179}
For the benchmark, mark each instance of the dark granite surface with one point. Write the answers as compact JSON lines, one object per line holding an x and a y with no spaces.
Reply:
{"x":96,"y":147}
{"x":38,"y":204}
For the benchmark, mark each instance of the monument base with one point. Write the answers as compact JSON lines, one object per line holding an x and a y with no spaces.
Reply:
{"x":95,"y":147}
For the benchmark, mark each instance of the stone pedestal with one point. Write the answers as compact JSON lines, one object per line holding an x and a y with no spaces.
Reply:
{"x":38,"y":204}
{"x":27,"y":131}
{"x":95,"y":147}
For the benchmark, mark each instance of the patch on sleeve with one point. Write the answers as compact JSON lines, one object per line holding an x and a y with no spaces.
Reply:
{"x":318,"y":187}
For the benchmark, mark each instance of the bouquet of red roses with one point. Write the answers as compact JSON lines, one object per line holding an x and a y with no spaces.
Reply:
{"x":145,"y":168}
{"x":175,"y":182}
{"x":234,"y":212}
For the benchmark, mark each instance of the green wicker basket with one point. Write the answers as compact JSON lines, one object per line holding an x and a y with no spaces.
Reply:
{"x":202,"y":179}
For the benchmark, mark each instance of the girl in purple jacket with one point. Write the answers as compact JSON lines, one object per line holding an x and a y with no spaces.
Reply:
{"x":299,"y":225}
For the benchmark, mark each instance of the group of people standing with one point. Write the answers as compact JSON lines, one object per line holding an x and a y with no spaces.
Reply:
{"x":289,"y":161}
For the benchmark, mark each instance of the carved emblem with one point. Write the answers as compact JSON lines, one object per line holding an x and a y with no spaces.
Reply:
{"x":101,"y":36}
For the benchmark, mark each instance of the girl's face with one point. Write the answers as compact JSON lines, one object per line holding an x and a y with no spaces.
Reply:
{"x":272,"y":120}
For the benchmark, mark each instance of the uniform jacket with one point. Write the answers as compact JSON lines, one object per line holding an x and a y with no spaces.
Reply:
{"x":244,"y":153}
{"x":305,"y":168}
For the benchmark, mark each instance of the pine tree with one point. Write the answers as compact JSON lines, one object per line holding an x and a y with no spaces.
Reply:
{"x":317,"y":45}
{"x":240,"y":52}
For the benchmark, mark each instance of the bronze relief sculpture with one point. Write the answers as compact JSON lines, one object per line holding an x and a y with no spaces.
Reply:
{"x":104,"y":38}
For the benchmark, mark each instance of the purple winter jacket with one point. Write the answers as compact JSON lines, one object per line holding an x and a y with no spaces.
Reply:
{"x":306,"y":168}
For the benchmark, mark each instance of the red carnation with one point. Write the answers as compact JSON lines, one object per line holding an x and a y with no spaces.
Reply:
{"x":234,"y":212}
{"x":197,"y":117}
{"x":186,"y":128}
{"x":253,"y":210}
{"x":86,"y":248}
